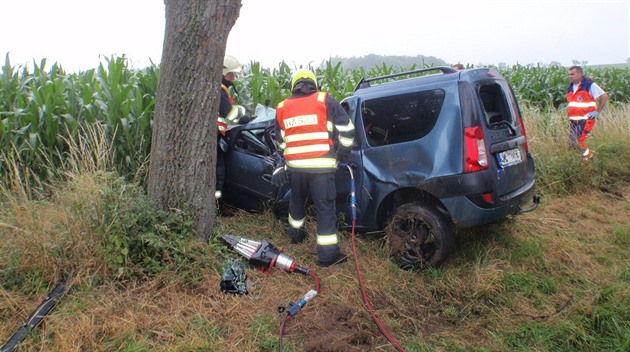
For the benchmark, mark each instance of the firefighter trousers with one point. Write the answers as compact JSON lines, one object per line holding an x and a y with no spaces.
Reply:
{"x":320,"y":189}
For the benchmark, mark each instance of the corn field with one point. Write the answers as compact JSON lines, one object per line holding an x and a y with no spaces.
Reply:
{"x":40,"y":111}
{"x":545,"y":87}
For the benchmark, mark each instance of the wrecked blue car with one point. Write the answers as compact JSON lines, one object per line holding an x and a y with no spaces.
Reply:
{"x":433,"y":152}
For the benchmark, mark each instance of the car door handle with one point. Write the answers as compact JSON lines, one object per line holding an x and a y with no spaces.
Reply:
{"x":266,"y":177}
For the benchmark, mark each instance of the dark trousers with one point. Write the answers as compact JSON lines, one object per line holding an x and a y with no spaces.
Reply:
{"x":320,"y":189}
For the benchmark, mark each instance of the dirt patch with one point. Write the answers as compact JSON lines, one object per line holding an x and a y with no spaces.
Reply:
{"x":333,"y":327}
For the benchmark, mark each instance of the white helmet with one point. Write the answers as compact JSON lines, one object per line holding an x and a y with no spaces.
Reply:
{"x":231,"y":64}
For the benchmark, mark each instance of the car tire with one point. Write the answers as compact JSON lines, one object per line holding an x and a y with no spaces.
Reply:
{"x":419,"y":237}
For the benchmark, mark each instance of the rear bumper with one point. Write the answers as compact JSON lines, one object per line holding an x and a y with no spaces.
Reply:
{"x":462,"y":195}
{"x":465,"y":213}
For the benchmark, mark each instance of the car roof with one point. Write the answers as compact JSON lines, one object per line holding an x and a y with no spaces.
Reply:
{"x":446,"y":76}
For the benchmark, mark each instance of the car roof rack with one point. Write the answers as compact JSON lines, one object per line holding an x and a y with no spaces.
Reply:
{"x":365,"y":82}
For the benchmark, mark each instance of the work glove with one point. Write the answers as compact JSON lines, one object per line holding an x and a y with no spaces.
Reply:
{"x":593,"y":114}
{"x":236,"y":113}
{"x":343,"y":155}
{"x":280,"y":176}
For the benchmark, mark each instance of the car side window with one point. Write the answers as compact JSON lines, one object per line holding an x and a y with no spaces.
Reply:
{"x":401,"y":118}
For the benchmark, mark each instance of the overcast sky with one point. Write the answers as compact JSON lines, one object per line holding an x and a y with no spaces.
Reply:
{"x":75,"y":32}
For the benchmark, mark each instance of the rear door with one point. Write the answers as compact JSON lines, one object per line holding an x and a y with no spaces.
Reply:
{"x":506,"y":141}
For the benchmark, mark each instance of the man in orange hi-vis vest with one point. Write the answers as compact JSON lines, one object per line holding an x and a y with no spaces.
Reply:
{"x":306,"y":124}
{"x":582,"y":96}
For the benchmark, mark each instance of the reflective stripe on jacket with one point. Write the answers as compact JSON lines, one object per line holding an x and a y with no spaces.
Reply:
{"x":227,"y":91}
{"x":581,"y":102}
{"x":222,"y":124}
{"x":307,"y":132}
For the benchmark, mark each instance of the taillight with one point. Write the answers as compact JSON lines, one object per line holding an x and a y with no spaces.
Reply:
{"x":520,"y":121}
{"x":475,"y":156}
{"x":487,"y":197}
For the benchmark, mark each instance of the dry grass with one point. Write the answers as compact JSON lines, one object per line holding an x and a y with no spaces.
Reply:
{"x":541,"y":281}
{"x":467,"y":304}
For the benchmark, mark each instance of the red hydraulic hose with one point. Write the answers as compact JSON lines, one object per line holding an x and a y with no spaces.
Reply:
{"x":353,"y":207}
{"x":281,"y":332}
{"x":314,"y":276}
{"x":289,"y":315}
{"x":380,"y":325}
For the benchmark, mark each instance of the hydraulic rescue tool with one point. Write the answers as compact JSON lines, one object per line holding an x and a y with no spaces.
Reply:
{"x":264,"y":256}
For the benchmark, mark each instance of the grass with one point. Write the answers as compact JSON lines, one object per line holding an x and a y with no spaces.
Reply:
{"x":553,"y":280}
{"x":556,"y":162}
{"x":557,"y":279}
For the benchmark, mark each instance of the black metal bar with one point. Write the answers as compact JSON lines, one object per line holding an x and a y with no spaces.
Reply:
{"x":365,"y":82}
{"x":36,"y":317}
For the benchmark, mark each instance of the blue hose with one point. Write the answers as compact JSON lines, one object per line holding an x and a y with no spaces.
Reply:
{"x":353,"y":195}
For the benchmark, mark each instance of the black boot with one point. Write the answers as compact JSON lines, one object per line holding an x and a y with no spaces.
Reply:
{"x":338,"y":259}
{"x":330,"y":255}
{"x":297,"y":235}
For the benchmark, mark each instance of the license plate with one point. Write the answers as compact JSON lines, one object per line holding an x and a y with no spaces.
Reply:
{"x":509,"y":157}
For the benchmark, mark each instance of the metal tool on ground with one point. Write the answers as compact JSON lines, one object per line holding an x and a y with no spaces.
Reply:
{"x":36,"y":317}
{"x":264,"y":256}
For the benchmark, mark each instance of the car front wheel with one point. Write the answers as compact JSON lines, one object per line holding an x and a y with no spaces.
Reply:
{"x":419,"y":237}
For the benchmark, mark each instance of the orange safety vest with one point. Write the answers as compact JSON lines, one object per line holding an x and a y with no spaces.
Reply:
{"x":581,"y":102}
{"x":307,"y":133}
{"x":221,"y":121}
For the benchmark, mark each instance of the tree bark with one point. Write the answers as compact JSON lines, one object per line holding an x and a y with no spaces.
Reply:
{"x":184,"y":141}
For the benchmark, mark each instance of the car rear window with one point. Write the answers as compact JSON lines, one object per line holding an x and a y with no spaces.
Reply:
{"x":401,"y":118}
{"x":494,"y":104}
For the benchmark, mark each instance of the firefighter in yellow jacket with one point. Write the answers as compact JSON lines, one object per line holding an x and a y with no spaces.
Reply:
{"x":306,"y":124}
{"x":231,"y":69}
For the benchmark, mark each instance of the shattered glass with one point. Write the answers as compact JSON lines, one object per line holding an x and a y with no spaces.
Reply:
{"x":234,"y":278}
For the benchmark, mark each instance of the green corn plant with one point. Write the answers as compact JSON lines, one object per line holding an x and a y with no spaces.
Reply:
{"x":615,"y":81}
{"x":334,"y":80}
{"x":39,"y":109}
{"x":259,"y":85}
{"x":545,"y":86}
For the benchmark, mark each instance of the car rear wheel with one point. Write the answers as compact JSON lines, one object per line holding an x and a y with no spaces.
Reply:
{"x":419,"y":237}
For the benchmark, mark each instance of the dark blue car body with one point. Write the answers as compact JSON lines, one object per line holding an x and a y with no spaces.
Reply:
{"x":413,"y":142}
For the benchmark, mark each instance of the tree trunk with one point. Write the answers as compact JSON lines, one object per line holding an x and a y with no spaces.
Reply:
{"x":184,"y":141}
